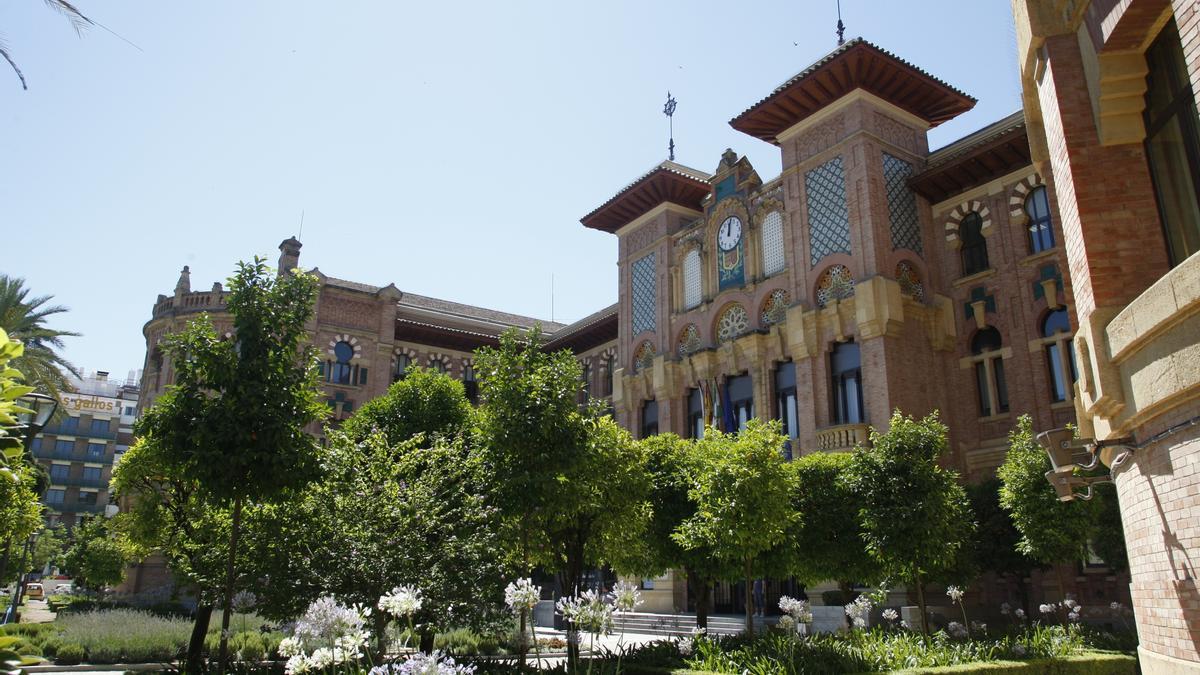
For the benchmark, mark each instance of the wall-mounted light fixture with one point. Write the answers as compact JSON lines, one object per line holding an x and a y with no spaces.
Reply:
{"x":1068,"y":453}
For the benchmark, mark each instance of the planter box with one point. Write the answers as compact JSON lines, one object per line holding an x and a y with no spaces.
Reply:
{"x":543,"y":614}
{"x":828,"y":619}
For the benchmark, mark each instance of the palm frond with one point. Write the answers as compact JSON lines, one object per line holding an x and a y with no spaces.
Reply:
{"x":78,"y":21}
{"x":20,"y":75}
{"x":24,"y":319}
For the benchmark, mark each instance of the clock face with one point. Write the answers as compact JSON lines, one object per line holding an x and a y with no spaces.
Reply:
{"x":729,"y":234}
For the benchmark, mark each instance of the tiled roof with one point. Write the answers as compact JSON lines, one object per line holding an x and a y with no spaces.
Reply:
{"x":473,"y":312}
{"x":582,"y":324}
{"x":975,"y":139}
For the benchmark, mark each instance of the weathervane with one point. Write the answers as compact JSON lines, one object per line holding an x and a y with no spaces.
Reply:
{"x":669,"y":111}
{"x":841,"y":27}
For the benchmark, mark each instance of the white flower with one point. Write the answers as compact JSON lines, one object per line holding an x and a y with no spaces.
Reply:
{"x":588,"y":612}
{"x":1070,"y":603}
{"x":522,"y":594}
{"x":1020,"y":614}
{"x":626,"y":596}
{"x":787,"y":624}
{"x":956,"y":630}
{"x":1073,"y":616}
{"x":402,"y":601}
{"x":1046,"y":609}
{"x":859,"y":610}
{"x":243,"y":600}
{"x":891,"y":614}
{"x":321,"y":658}
{"x":1116,"y":606}
{"x":1005,"y":608}
{"x":955,"y":593}
{"x":905,"y":626}
{"x":424,"y":664}
{"x":297,"y":663}
{"x":686,"y":645}
{"x":326,"y":620}
{"x":979,"y":626}
{"x":290,"y":646}
{"x":797,"y":609}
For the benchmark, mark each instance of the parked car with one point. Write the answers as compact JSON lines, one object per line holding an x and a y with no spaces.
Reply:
{"x":34,"y":592}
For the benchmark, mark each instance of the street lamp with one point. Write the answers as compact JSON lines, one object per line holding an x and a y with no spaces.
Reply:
{"x":1064,"y":449}
{"x":42,"y":408}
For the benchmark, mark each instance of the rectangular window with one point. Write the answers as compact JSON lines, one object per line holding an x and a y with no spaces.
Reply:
{"x":362,"y":376}
{"x":129,"y":410}
{"x":644,"y":293}
{"x":64,"y":446}
{"x":91,"y":473}
{"x":846,"y":368}
{"x":88,"y":498}
{"x":95,"y":450}
{"x":55,"y":495}
{"x":785,"y":404}
{"x":981,"y":384}
{"x":1173,"y":143}
{"x":36,"y":444}
{"x":100,"y":426}
{"x":695,"y":413}
{"x":740,"y":391}
{"x":70,"y":425}
{"x":1058,"y":387}
{"x":649,"y":418}
{"x":59,"y":472}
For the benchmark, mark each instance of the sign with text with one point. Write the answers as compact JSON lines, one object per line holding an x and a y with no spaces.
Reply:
{"x":77,"y":403}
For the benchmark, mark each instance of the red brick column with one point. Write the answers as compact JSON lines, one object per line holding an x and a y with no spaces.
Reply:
{"x":1114,"y":241}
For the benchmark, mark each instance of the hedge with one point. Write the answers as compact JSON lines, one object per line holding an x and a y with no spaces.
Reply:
{"x":1088,"y":663}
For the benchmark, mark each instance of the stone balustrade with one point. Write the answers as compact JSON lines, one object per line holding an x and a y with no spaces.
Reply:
{"x":843,"y":437}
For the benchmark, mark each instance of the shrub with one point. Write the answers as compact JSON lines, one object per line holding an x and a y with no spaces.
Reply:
{"x":50,"y":647}
{"x":69,"y":654}
{"x":125,"y":635}
{"x":459,"y":641}
{"x":29,"y":649}
{"x":248,"y":647}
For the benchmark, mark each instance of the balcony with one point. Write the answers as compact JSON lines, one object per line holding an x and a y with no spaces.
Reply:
{"x":843,"y":437}
{"x":72,"y":455}
{"x":77,"y":507}
{"x":80,"y":432}
{"x":79,"y":482}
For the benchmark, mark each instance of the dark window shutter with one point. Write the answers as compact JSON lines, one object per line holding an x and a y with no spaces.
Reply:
{"x":362,"y":375}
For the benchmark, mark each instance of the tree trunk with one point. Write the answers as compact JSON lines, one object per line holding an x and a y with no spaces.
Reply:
{"x":427,"y":640}
{"x":921,"y":600}
{"x":574,"y":579}
{"x":701,"y":591}
{"x":227,"y":611}
{"x":749,"y":602}
{"x":195,"y":652}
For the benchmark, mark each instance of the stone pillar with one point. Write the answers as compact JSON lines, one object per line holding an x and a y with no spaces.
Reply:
{"x":289,"y":255}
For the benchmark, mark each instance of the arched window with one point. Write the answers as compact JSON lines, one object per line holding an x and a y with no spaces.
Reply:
{"x":340,"y":368}
{"x":1060,"y":358}
{"x":846,"y":367}
{"x":732,"y":323}
{"x":835,"y":283}
{"x":470,"y":386}
{"x":989,"y":372}
{"x":974,"y":244}
{"x":1041,"y":231}
{"x":437,"y":365}
{"x":608,"y":377}
{"x":772,"y":244}
{"x":693,"y":289}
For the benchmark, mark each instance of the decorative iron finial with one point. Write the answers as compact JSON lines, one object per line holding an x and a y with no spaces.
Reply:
{"x":841,"y":27}
{"x":669,"y":111}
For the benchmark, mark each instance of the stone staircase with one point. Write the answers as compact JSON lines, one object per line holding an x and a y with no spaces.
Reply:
{"x":677,"y":625}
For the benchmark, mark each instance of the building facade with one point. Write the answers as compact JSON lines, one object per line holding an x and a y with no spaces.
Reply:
{"x":1110,"y":91}
{"x":872,"y":274}
{"x":78,"y":448}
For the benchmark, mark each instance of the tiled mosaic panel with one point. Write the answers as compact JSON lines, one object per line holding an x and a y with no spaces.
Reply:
{"x":644,"y":357}
{"x":689,"y":340}
{"x":836,"y":283}
{"x":828,"y":217}
{"x":910,"y":281}
{"x":733,"y":323}
{"x":644,"y":294}
{"x":775,"y":308}
{"x":772,"y":241}
{"x":693,"y":290}
{"x":902,"y":204}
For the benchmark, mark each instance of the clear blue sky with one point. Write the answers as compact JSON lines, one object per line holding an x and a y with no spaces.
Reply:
{"x":450,"y":148}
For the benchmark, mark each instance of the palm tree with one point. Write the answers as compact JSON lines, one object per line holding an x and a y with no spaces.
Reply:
{"x":25,"y":320}
{"x":78,"y":21}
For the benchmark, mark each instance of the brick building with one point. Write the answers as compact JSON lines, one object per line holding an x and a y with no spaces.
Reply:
{"x":78,"y":449}
{"x":871,"y":274}
{"x":1110,"y":94}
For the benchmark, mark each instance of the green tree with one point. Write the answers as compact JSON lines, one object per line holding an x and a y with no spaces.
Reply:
{"x":424,"y":402}
{"x":1107,"y":536}
{"x":995,"y":542}
{"x":50,"y":547}
{"x":234,"y":420}
{"x":384,"y":515}
{"x":668,"y":462}
{"x":24,"y":319}
{"x":742,"y":490}
{"x":171,"y":516}
{"x":20,"y":516}
{"x":531,"y":440}
{"x":826,"y":541}
{"x":95,"y":558}
{"x":1052,"y":532}
{"x":914,"y":514}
